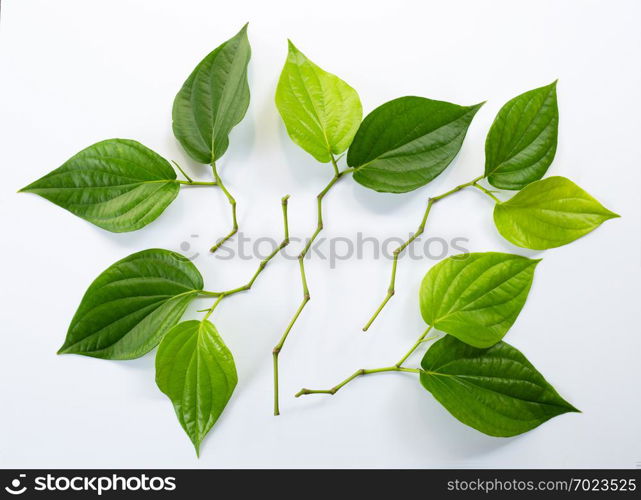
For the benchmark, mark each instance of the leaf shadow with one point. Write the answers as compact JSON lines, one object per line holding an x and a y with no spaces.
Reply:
{"x":382,"y":203}
{"x":455,"y":440}
{"x":143,"y":371}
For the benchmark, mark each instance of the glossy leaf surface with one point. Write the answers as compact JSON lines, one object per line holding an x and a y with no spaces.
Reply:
{"x":196,"y":370}
{"x":132,"y":304}
{"x":320,"y":111}
{"x":405,"y":143}
{"x":549,"y":213}
{"x":521,"y":143}
{"x":213,"y":100}
{"x":476,"y":297}
{"x":118,"y":184}
{"x":495,"y":390}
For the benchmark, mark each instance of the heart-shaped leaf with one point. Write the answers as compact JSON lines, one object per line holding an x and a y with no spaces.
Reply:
{"x":196,"y":370}
{"x":549,"y":213}
{"x":476,"y":297}
{"x":521,"y":143}
{"x":496,"y":390}
{"x":405,"y":143}
{"x":132,"y":304}
{"x":213,"y":100}
{"x":118,"y":184}
{"x":320,"y":111}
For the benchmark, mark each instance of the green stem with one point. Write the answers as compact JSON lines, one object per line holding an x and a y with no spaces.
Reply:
{"x":301,"y":264}
{"x":263,"y":263}
{"x":396,"y":368}
{"x":232,"y":202}
{"x":356,"y":374}
{"x":403,"y":246}
{"x":182,"y":171}
{"x":214,"y":305}
{"x":334,"y":164}
{"x":196,"y":183}
{"x":486,"y":191}
{"x":421,"y":339}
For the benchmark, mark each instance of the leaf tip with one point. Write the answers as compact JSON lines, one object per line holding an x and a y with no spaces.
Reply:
{"x":290,"y":46}
{"x":476,"y":107}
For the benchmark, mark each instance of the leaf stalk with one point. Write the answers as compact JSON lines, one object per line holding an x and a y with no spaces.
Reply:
{"x":232,"y":203}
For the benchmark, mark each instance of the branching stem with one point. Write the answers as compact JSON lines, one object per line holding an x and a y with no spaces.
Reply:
{"x":398,"y":367}
{"x":403,"y":246}
{"x":486,"y":191}
{"x":301,"y":264}
{"x":356,"y":374}
{"x":263,"y":263}
{"x":420,"y":340}
{"x":189,"y":179}
{"x":232,"y":202}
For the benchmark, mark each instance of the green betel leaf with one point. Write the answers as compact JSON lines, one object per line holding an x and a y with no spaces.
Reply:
{"x":196,"y":370}
{"x":321,"y":112}
{"x":549,"y":213}
{"x":496,"y":391}
{"x":405,"y":143}
{"x":118,"y":185}
{"x":213,"y":100}
{"x":128,"y":308}
{"x":521,"y":143}
{"x":476,"y":297}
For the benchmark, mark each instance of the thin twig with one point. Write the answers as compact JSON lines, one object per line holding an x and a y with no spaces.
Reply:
{"x":356,"y":374}
{"x":263,"y":263}
{"x":399,"y":250}
{"x":301,"y":263}
{"x":183,"y":172}
{"x":398,"y":367}
{"x":232,"y":202}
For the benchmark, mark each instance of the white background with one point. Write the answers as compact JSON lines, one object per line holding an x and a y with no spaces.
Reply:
{"x":75,"y":72}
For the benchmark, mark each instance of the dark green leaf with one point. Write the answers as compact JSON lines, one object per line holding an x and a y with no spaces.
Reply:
{"x":521,"y":143}
{"x":496,"y":390}
{"x":549,"y":213}
{"x":195,"y":369}
{"x":132,"y":304}
{"x":476,"y":297}
{"x":405,"y":143}
{"x":118,"y":184}
{"x":321,"y":112}
{"x":213,"y":100}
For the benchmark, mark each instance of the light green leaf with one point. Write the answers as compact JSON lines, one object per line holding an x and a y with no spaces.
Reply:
{"x":549,"y":213}
{"x":118,"y":185}
{"x":321,"y":112}
{"x":196,"y":370}
{"x":213,"y":100}
{"x":476,"y":297}
{"x":405,"y":143}
{"x":521,"y":143}
{"x":496,"y":390}
{"x":132,"y":304}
